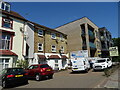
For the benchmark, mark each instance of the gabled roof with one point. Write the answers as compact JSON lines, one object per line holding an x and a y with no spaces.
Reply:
{"x":13,"y":14}
{"x":75,"y":21}
{"x":46,"y":27}
{"x":16,"y":15}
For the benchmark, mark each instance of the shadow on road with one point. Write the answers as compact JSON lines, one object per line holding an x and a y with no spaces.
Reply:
{"x":78,"y":72}
{"x":16,"y":85}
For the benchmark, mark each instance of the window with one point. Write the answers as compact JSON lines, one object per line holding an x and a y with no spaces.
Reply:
{"x":4,"y":63}
{"x":40,"y":47}
{"x":53,"y":48}
{"x":40,"y":32}
{"x":62,"y":49}
{"x":56,"y":63}
{"x":44,"y":66}
{"x":5,"y":6}
{"x":53,"y":35}
{"x":61,"y":37}
{"x":2,"y":6}
{"x":5,"y":42}
{"x":7,"y":22}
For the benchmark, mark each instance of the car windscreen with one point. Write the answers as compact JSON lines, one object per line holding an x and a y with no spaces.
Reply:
{"x":100,"y":61}
{"x":16,"y":70}
{"x":44,"y":66}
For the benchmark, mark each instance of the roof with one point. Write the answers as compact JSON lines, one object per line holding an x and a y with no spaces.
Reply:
{"x":74,"y":21}
{"x":7,"y":53}
{"x":64,"y":56}
{"x":13,"y":14}
{"x":42,"y":56}
{"x":16,"y":15}
{"x":54,"y":57}
{"x":46,"y":28}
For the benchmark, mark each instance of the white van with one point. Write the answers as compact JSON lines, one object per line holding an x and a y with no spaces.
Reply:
{"x":80,"y":64}
{"x":102,"y":64}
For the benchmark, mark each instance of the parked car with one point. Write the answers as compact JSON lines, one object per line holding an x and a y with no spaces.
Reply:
{"x":12,"y":76}
{"x":102,"y":63}
{"x":39,"y":71}
{"x":80,"y":64}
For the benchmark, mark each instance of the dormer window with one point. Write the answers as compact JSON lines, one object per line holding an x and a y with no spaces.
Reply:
{"x":2,"y":6}
{"x":7,"y":22}
{"x":5,"y":6}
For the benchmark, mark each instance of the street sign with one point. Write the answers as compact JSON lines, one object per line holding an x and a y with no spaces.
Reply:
{"x":113,"y":51}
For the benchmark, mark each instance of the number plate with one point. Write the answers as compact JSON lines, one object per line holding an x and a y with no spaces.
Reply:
{"x":18,"y":75}
{"x":48,"y":70}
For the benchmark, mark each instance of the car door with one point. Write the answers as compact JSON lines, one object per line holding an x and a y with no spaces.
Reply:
{"x":32,"y":70}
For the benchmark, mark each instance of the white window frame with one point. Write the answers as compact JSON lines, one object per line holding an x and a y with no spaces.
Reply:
{"x":40,"y":32}
{"x":56,"y":64}
{"x":53,"y":49}
{"x":5,"y":4}
{"x":53,"y":35}
{"x":4,"y":63}
{"x":6,"y":40}
{"x":40,"y":46}
{"x":62,"y":49}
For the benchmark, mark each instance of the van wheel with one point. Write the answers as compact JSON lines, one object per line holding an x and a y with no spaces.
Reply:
{"x":4,"y":84}
{"x":38,"y":77}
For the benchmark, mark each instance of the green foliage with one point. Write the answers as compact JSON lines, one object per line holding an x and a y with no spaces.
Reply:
{"x":22,"y":63}
{"x":116,"y":42}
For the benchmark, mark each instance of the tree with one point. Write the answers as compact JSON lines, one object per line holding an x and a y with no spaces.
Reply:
{"x":116,"y":42}
{"x":22,"y":63}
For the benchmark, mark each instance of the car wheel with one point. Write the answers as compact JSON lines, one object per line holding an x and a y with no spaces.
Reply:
{"x":26,"y":82}
{"x":38,"y":77}
{"x":4,"y":84}
{"x":51,"y":77}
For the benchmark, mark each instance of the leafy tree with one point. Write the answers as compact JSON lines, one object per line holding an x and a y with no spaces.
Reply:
{"x":116,"y":42}
{"x":22,"y":63}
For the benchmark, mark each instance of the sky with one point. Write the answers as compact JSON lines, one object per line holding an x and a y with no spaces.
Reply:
{"x":54,"y":14}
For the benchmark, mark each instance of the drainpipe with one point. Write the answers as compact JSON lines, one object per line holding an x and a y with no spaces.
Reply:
{"x":23,"y":39}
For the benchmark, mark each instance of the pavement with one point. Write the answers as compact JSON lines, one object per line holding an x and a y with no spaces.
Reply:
{"x":112,"y":81}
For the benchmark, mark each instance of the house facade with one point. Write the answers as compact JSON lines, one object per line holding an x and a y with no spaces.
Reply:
{"x":12,"y":34}
{"x":82,"y":35}
{"x":50,"y":47}
{"x":106,"y":41}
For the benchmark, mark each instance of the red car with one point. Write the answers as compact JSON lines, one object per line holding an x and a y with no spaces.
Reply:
{"x":38,"y":71}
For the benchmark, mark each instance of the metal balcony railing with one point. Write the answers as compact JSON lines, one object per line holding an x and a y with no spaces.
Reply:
{"x":91,"y":35}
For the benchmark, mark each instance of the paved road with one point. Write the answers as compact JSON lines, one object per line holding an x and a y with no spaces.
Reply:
{"x":65,"y":79}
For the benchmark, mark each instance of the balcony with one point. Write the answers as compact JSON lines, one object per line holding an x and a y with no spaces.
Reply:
{"x":92,"y":45}
{"x":91,"y":35}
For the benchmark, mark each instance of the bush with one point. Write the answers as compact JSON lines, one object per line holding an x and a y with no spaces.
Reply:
{"x":22,"y":63}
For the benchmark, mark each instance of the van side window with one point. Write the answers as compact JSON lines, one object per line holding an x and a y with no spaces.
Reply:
{"x":108,"y":59}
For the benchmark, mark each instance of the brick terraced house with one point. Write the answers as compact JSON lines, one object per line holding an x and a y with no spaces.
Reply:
{"x":50,"y":46}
